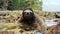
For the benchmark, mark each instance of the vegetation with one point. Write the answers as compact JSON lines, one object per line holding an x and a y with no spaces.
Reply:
{"x":20,"y":4}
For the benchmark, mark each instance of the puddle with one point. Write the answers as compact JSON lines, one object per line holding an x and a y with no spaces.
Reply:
{"x":50,"y":22}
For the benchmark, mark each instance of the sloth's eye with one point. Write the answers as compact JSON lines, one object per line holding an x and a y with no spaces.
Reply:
{"x":27,"y":13}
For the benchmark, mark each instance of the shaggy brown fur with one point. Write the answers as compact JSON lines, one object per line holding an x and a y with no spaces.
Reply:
{"x":30,"y":22}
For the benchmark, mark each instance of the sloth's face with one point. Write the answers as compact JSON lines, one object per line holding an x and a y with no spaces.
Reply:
{"x":28,"y":14}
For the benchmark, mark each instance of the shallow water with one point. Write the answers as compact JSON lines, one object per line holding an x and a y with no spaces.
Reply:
{"x":50,"y":23}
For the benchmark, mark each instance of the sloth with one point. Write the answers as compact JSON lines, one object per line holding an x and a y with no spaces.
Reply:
{"x":30,"y":21}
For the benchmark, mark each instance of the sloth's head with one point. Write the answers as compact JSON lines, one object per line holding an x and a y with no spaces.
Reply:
{"x":28,"y":17}
{"x":28,"y":14}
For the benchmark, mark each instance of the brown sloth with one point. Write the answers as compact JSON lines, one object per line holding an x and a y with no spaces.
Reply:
{"x":30,"y":21}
